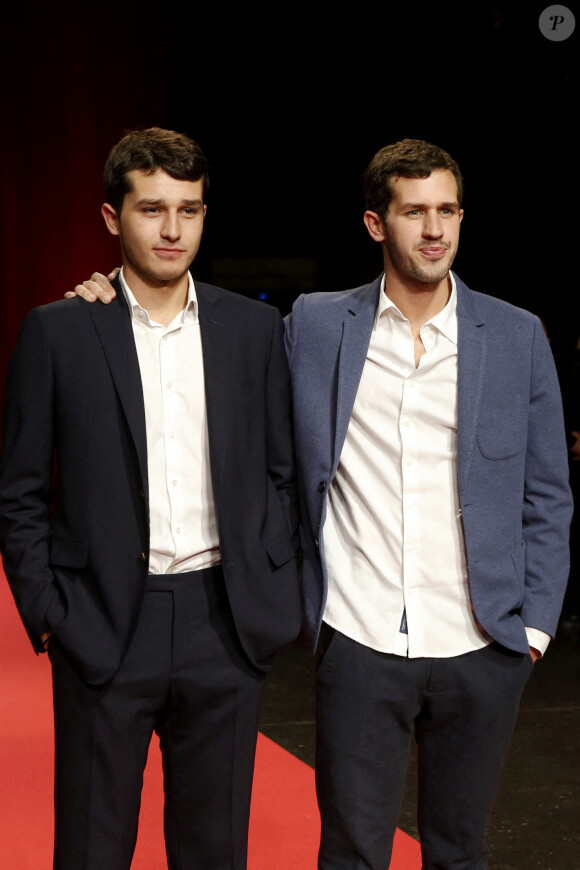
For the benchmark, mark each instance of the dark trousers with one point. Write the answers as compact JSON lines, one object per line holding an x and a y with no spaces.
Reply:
{"x":461,"y":711}
{"x":185,"y":678}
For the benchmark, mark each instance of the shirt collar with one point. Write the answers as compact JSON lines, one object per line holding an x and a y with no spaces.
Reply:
{"x":445,"y":321}
{"x":137,"y":311}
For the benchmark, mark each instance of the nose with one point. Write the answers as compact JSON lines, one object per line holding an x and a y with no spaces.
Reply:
{"x":170,"y":228}
{"x":432,"y":225}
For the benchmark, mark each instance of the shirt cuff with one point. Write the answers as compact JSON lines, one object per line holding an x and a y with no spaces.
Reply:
{"x":538,"y":639}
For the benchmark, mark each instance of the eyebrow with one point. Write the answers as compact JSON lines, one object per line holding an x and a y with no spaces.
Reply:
{"x":162,"y":202}
{"x":453,"y":204}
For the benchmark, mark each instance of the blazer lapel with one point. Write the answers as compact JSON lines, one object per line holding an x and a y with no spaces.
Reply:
{"x":471,"y":350}
{"x":113,"y":325}
{"x":217,"y":344}
{"x":357,"y":325}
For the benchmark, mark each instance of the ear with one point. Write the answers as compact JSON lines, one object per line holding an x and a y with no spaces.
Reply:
{"x":461,"y":213}
{"x":374,"y":225}
{"x":111,"y":219}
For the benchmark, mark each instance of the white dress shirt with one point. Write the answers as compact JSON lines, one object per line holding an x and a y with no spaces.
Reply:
{"x":393,"y":536}
{"x":183,"y":526}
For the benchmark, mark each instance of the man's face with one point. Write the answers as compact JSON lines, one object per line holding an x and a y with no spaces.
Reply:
{"x":421,"y":228}
{"x":159,"y":227}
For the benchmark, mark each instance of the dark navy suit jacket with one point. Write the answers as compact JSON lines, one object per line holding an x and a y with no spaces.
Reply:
{"x":512,"y":463}
{"x":74,"y":404}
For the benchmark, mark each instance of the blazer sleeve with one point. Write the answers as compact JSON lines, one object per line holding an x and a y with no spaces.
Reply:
{"x":280,"y":445}
{"x":26,"y":464}
{"x":547,"y":500}
{"x":291,"y":328}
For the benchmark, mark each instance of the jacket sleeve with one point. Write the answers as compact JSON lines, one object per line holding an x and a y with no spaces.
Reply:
{"x":547,"y":500}
{"x":25,"y":476}
{"x":280,"y":446}
{"x":291,"y":328}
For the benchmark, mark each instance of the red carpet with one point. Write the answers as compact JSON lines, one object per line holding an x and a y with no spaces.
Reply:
{"x":284,"y":826}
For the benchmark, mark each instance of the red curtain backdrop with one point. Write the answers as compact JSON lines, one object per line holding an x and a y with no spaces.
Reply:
{"x":73,"y":79}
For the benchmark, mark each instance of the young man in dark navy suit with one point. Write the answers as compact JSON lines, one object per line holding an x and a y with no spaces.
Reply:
{"x":167,"y":576}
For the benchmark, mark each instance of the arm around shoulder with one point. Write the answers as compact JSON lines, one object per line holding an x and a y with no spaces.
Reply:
{"x":280,"y":444}
{"x":291,"y":323}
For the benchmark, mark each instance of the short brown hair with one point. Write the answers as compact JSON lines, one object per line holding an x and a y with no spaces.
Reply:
{"x":409,"y":158}
{"x":150,"y":150}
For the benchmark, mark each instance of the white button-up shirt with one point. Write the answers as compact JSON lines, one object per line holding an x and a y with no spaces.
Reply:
{"x":183,"y":525}
{"x":393,"y":536}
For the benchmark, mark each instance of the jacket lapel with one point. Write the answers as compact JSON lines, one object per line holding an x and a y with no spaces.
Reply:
{"x":357,"y":325}
{"x":113,"y":325}
{"x":217,"y":344}
{"x":471,"y":349}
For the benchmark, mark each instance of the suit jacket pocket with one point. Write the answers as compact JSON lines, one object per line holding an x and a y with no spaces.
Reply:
{"x":502,"y":442}
{"x":66,"y":558}
{"x":280,"y":549}
{"x":68,"y":554}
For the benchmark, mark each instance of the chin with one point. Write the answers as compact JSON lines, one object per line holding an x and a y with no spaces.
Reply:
{"x":170,"y":275}
{"x":439,"y":272}
{"x":429,"y":277}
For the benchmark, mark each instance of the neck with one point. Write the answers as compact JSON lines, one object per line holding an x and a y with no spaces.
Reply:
{"x":418,"y":301}
{"x":162,"y":301}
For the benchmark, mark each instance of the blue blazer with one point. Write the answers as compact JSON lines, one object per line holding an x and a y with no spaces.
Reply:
{"x":512,"y":464}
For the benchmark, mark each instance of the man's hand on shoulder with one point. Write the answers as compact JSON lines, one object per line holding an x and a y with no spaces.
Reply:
{"x":97,"y":287}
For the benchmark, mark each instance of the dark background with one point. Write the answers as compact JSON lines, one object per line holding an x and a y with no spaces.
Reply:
{"x":290,"y":103}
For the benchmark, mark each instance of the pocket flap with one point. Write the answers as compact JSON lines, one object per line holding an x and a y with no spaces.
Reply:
{"x":280,"y":549}
{"x":68,"y":554}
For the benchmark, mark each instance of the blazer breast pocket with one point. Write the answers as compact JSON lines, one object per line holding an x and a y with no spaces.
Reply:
{"x":501,"y":430}
{"x":500,"y":444}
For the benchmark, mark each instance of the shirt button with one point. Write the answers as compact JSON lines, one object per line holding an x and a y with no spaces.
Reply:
{"x":174,"y":482}
{"x":169,"y":385}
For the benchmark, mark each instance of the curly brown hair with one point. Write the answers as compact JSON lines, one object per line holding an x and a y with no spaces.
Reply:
{"x":149,"y":150}
{"x":409,"y":158}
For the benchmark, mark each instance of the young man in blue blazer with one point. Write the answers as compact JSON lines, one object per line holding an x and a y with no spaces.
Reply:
{"x":433,"y":476}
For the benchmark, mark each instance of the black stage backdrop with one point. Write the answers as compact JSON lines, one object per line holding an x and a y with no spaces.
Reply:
{"x":290,"y":103}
